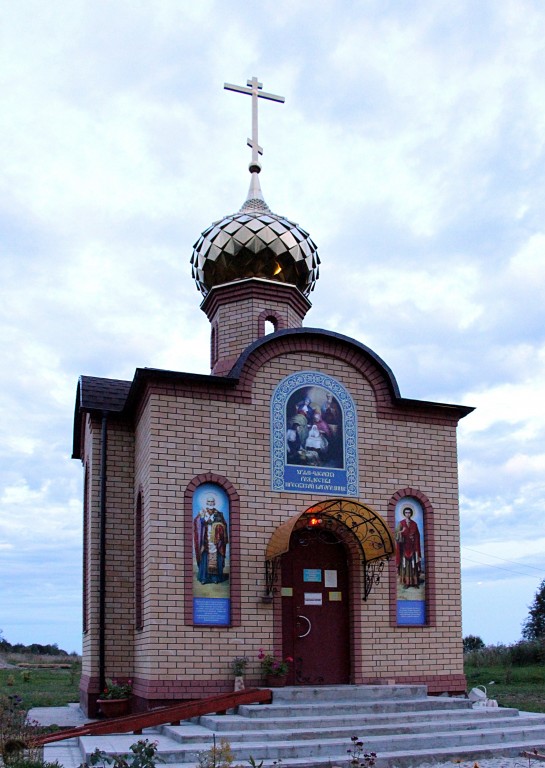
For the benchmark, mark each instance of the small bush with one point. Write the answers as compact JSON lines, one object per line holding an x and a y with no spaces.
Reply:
{"x":527,"y":652}
{"x":143,"y":755}
{"x":217,"y":756}
{"x":523,"y":653}
{"x":358,"y":757}
{"x":17,"y":733}
{"x":28,"y":762}
{"x":490,"y":656}
{"x":472,"y":643}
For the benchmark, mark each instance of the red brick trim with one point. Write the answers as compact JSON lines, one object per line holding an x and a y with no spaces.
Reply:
{"x":138,"y":559}
{"x":389,"y":404}
{"x":148,"y":694}
{"x":183,"y":688}
{"x":274,"y":316}
{"x":255,"y":288}
{"x":224,"y":365}
{"x":234,"y":544}
{"x":429,"y":554}
{"x":436,"y":684}
{"x":323,"y":347}
{"x":85,"y":599}
{"x":89,"y":690}
{"x":213,"y":345}
{"x":152,"y":693}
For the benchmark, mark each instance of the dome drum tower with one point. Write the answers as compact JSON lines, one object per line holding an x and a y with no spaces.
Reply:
{"x":252,"y":266}
{"x":238,"y":312}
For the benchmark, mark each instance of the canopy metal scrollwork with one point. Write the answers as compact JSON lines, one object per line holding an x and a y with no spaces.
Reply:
{"x":366,"y":526}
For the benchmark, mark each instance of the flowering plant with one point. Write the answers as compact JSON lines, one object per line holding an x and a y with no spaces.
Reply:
{"x":239,"y":665}
{"x":114,"y":689}
{"x":270,"y":665}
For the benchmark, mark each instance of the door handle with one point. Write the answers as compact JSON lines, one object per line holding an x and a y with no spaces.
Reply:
{"x":309,"y":625}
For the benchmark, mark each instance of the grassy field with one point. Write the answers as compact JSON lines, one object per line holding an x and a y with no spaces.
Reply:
{"x":519,"y":687}
{"x":40,"y":686}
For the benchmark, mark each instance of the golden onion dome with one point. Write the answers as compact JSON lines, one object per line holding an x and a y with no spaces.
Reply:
{"x":255,"y":242}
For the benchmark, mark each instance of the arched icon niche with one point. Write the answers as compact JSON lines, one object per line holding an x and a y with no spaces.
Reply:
{"x":313,"y":436}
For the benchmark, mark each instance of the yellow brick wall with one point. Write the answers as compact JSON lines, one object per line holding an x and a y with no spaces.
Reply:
{"x":181,"y":436}
{"x":119,"y":635}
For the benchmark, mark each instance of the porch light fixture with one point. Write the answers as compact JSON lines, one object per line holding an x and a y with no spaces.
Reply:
{"x":314,"y":521}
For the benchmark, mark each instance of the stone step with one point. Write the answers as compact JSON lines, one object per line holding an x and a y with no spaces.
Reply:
{"x":236,"y":729}
{"x":348,"y":693}
{"x":317,"y":708}
{"x":227,"y":723}
{"x":400,"y":759}
{"x":313,"y":727}
{"x":265,"y":747}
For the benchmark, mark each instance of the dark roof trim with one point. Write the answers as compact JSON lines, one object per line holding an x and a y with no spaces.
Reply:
{"x":461,"y":410}
{"x":98,"y":394}
{"x":144,"y":375}
{"x":269,"y":290}
{"x":115,"y":396}
{"x":236,"y":370}
{"x":76,"y":433}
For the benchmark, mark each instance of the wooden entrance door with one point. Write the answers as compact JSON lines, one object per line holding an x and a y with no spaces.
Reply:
{"x":315,"y":609}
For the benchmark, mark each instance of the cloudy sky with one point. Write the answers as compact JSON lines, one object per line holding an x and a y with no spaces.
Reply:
{"x":411,"y":146}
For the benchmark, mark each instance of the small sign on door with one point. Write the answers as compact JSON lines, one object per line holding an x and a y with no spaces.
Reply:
{"x":330,"y":579}
{"x":313,"y":598}
{"x":312,"y":574}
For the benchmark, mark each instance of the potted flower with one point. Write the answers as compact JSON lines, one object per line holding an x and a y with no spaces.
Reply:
{"x":275,"y":670}
{"x":238,"y":665}
{"x":115,"y":699}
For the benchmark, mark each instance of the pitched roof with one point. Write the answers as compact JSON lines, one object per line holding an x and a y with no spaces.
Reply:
{"x":96,"y":394}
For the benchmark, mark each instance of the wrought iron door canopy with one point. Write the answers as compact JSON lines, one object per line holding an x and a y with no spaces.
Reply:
{"x":367,"y":527}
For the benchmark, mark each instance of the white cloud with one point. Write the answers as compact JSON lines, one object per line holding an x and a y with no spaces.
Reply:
{"x":519,"y":404}
{"x":527,"y":266}
{"x":411,"y":146}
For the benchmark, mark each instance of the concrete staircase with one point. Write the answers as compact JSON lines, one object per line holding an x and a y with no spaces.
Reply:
{"x":313,"y":727}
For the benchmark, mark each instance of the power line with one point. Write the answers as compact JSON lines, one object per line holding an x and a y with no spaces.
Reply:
{"x":485,"y":554}
{"x":498,"y":567}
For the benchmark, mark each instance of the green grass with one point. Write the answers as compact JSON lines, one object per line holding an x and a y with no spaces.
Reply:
{"x":519,"y":687}
{"x":43,"y":688}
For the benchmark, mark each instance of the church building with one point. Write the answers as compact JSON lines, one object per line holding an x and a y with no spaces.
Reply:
{"x":291,"y":503}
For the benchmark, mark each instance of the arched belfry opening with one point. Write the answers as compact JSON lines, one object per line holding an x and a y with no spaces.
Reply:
{"x":347,"y":518}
